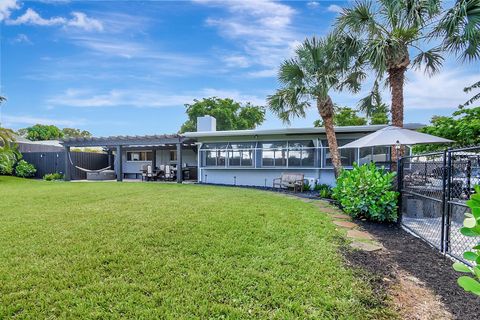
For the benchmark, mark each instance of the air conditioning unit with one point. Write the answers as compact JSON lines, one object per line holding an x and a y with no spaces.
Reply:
{"x":311,"y":181}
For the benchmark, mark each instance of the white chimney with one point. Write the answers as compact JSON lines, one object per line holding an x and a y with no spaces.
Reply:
{"x":206,"y":123}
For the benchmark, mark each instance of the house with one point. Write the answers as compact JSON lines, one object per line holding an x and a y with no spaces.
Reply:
{"x":256,"y":157}
{"x":26,"y":146}
{"x":237,"y":157}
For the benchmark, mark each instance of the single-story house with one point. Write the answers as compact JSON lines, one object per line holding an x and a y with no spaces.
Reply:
{"x":238,"y":157}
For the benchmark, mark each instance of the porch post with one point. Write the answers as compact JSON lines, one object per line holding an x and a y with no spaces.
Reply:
{"x":109,"y":157}
{"x":154,"y":158}
{"x":67,"y":175}
{"x":179,"y":163}
{"x":118,"y":164}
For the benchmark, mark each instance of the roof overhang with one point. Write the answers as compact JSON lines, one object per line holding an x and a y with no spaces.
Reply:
{"x":294,"y":131}
{"x":149,"y":140}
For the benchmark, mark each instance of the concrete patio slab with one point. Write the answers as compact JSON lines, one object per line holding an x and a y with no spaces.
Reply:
{"x":366,"y":246}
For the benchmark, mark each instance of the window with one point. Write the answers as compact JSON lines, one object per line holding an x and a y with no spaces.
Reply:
{"x":241,"y":154}
{"x":213,"y":154}
{"x":347,"y":156}
{"x":274,"y":154}
{"x":139,"y":156}
{"x":173,"y":155}
{"x":375,"y":154}
{"x":301,"y":153}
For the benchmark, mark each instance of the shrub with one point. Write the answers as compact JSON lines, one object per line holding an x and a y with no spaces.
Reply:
{"x":366,"y":192}
{"x":53,"y":176}
{"x":6,"y":165}
{"x":25,"y":169}
{"x":324,"y":191}
{"x":471,"y":229}
{"x":307,"y":186}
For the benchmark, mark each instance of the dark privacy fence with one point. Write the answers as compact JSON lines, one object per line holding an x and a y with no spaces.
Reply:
{"x":434,"y":189}
{"x":51,"y":162}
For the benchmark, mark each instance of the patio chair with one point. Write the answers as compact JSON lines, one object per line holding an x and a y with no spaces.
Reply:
{"x":148,"y":174}
{"x":168,"y":173}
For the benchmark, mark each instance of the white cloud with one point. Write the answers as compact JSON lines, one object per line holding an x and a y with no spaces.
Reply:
{"x":334,"y":8}
{"x":6,"y":8}
{"x":140,"y":98}
{"x":79,"y":20}
{"x":33,"y":18}
{"x":261,"y":29}
{"x":12,"y":121}
{"x":236,"y":61}
{"x":313,"y":4}
{"x":21,"y":38}
{"x":444,"y":90}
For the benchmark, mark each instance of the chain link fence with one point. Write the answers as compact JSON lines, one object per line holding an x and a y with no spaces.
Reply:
{"x":434,"y":189}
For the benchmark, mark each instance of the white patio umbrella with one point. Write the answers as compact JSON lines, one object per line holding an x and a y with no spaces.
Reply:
{"x":391,"y":135}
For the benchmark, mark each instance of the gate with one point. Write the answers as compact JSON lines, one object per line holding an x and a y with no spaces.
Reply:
{"x":434,"y":188}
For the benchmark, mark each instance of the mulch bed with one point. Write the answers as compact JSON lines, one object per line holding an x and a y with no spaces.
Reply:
{"x":420,"y":260}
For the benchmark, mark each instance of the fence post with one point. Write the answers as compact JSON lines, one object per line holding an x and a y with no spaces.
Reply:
{"x":447,"y":210}
{"x":67,"y":176}
{"x":399,"y":189}
{"x":444,"y":197}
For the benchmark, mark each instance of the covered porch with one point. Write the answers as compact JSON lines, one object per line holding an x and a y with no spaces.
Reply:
{"x":130,"y":156}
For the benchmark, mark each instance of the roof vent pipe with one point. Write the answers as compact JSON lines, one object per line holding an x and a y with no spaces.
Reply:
{"x":206,"y":123}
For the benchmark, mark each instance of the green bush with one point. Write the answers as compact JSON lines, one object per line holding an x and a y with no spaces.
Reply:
{"x":471,"y":228}
{"x":53,"y":176}
{"x":324,"y":191}
{"x":366,"y":192}
{"x":6,"y":165}
{"x":25,"y":169}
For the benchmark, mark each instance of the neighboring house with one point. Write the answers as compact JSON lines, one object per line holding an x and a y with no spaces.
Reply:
{"x":238,"y":157}
{"x":256,"y":157}
{"x":25,"y":145}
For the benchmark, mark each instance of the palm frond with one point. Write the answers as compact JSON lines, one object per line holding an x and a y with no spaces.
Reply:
{"x":288,"y":103}
{"x":431,"y":60}
{"x":290,"y":73}
{"x":360,"y":18}
{"x":476,"y":97}
{"x":460,"y":28}
{"x":372,"y":101}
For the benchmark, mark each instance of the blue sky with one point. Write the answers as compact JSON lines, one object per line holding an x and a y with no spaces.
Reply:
{"x":128,"y":67}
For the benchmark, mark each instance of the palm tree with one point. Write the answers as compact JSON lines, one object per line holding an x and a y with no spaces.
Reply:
{"x":459,"y":28}
{"x":8,"y":152}
{"x":319,"y":67}
{"x":390,"y":30}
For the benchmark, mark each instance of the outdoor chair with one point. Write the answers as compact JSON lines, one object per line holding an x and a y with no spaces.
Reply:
{"x":290,"y":180}
{"x":168,"y":173}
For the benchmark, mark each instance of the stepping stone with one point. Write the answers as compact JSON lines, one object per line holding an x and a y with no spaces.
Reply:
{"x":366,"y":246}
{"x":345,"y":224}
{"x":330,"y":210}
{"x":341,"y":216}
{"x":355,"y":234}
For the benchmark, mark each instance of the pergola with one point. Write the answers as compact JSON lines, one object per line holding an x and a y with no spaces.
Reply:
{"x":119,"y":143}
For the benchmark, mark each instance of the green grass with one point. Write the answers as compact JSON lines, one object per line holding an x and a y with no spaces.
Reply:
{"x":145,"y":251}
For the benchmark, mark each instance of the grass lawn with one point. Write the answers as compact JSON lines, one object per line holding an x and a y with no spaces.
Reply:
{"x":145,"y":250}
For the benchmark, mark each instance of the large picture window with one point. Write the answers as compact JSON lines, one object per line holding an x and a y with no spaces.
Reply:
{"x":139,"y":156}
{"x":240,"y":154}
{"x":301,"y":153}
{"x":274,"y":154}
{"x":214,"y":154}
{"x":347,"y":156}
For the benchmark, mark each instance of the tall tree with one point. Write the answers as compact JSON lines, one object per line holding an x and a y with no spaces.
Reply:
{"x":8,"y":150}
{"x":460,"y":30}
{"x":319,"y":67}
{"x":41,"y":132}
{"x":230,"y":114}
{"x":344,"y":116}
{"x":390,"y":31}
{"x":75,"y":133}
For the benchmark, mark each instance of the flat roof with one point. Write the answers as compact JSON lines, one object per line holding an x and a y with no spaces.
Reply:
{"x":291,"y":131}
